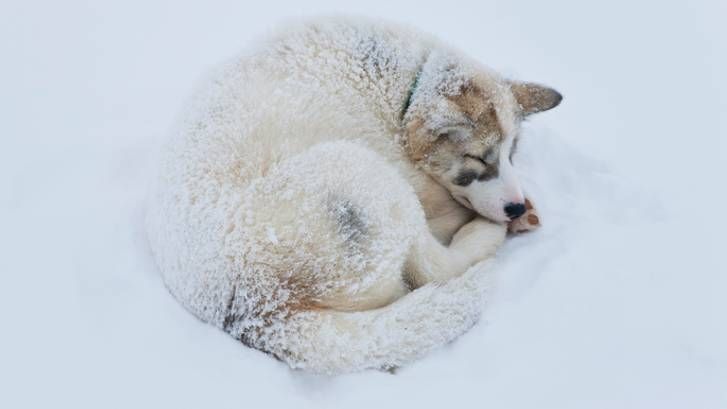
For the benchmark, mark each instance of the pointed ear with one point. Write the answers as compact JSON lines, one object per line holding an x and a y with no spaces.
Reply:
{"x":535,"y":97}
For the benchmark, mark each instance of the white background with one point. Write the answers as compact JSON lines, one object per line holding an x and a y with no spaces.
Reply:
{"x":619,"y":301}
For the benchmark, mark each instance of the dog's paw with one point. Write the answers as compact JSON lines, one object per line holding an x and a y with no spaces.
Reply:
{"x":529,"y":221}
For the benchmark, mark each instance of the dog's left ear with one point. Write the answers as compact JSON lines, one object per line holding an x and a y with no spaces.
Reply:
{"x":534,"y":98}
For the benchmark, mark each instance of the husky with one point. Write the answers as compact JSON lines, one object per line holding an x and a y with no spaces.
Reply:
{"x":326,"y":194}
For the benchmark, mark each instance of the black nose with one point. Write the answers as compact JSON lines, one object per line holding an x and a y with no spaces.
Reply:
{"x":514,"y":210}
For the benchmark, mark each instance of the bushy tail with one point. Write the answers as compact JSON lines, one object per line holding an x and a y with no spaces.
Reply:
{"x":388,"y":337}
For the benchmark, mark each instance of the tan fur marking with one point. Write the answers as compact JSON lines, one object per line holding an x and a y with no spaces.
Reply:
{"x":473,"y":102}
{"x":418,"y":142}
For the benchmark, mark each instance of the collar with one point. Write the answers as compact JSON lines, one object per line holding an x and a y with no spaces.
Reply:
{"x":410,"y":94}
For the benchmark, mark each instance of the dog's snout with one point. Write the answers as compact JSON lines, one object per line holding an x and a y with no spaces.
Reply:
{"x":514,"y":210}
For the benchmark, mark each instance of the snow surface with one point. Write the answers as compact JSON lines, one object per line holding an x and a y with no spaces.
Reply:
{"x":619,"y":301}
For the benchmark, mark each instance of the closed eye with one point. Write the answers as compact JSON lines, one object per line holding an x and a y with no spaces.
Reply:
{"x":477,"y":158}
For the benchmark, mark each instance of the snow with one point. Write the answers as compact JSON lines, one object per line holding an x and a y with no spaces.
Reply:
{"x":619,"y":301}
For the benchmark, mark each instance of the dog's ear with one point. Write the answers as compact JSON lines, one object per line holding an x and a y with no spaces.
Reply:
{"x":534,"y":98}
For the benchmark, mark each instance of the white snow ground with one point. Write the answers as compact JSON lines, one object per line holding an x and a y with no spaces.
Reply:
{"x":619,"y":301}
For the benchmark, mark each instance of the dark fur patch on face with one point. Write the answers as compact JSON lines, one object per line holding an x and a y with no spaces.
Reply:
{"x":487,"y":164}
{"x":465,"y":177}
{"x":490,"y":172}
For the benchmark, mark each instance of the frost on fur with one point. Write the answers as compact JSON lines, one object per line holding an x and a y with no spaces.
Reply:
{"x":291,"y":212}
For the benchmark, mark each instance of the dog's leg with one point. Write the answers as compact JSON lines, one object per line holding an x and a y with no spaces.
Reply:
{"x":431,"y":261}
{"x":527,"y":222}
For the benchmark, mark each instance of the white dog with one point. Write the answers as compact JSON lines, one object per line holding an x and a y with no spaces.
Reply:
{"x":327,"y":194}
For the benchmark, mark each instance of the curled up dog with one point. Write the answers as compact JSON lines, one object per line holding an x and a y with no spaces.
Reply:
{"x":326,"y":195}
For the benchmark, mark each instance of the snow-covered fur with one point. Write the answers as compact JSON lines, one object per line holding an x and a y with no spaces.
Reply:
{"x":323,"y":200}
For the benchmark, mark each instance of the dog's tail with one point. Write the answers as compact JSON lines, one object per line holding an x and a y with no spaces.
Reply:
{"x":334,"y":341}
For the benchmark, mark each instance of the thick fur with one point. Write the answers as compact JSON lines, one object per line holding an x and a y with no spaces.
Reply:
{"x":312,"y":202}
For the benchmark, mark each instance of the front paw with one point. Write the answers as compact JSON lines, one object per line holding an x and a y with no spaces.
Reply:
{"x":529,"y":221}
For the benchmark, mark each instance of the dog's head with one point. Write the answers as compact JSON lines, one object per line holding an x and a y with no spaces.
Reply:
{"x":461,"y":127}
